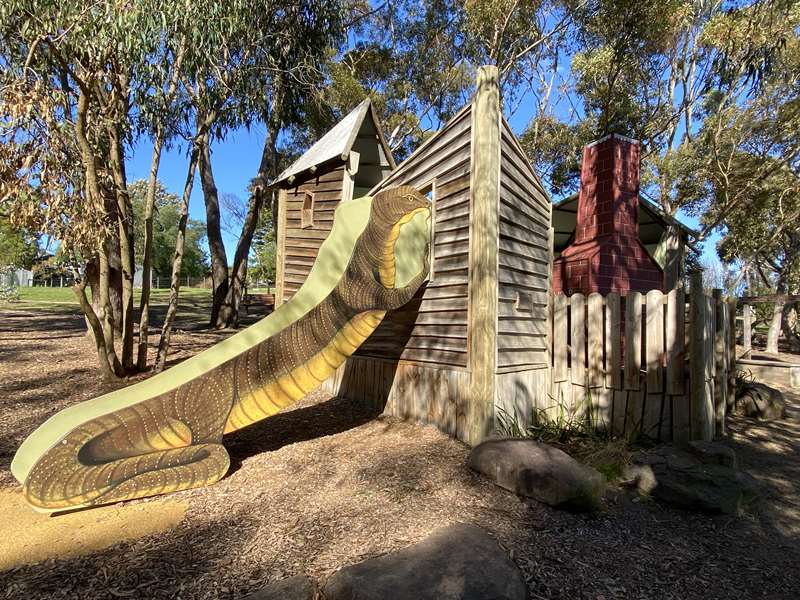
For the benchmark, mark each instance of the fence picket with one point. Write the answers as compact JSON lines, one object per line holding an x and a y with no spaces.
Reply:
{"x":560,"y":336}
{"x":577,"y":342}
{"x":595,"y":334}
{"x":654,"y":344}
{"x":633,"y":340}
{"x":613,"y":348}
{"x":676,"y":334}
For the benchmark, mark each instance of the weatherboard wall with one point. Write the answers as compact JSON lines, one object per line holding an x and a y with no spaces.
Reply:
{"x":432,"y":328}
{"x":300,"y":245}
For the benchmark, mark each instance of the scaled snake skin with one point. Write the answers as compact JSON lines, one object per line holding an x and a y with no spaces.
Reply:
{"x":173,"y":441}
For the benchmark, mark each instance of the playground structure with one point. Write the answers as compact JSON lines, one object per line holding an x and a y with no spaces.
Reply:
{"x":433,"y":301}
{"x":165,"y":433}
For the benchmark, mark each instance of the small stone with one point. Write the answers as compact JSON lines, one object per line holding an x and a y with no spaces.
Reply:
{"x":299,"y":587}
{"x":460,"y":562}
{"x":535,"y":470}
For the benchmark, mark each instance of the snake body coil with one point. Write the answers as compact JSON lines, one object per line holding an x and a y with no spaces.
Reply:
{"x":173,"y":441}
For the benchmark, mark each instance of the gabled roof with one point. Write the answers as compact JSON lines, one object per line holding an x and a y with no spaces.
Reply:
{"x":336,"y":145}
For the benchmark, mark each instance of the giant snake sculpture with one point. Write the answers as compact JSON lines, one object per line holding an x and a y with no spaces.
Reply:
{"x":165,"y":434}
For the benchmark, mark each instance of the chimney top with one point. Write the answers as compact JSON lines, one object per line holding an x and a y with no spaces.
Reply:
{"x":613,"y":136}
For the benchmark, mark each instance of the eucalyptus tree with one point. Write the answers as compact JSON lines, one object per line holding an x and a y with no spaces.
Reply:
{"x":71,"y":74}
{"x":249,"y":63}
{"x":743,"y":176}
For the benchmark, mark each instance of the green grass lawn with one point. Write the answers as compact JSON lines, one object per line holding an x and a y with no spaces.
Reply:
{"x":56,"y":298}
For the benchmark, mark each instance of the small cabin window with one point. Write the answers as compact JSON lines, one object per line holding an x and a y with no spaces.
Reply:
{"x":429,"y":191}
{"x":307,"y":212}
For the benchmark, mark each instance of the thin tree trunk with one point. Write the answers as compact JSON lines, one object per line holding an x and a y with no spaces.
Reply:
{"x":147,"y":259}
{"x":96,"y":197}
{"x":219,"y":262}
{"x":229,"y":311}
{"x":96,"y":328}
{"x":789,"y":324}
{"x":124,"y":213}
{"x":175,"y":284}
{"x":775,"y":327}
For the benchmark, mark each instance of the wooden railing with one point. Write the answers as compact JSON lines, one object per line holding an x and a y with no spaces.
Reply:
{"x":653,"y":365}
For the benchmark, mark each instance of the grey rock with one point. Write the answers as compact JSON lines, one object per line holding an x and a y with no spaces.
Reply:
{"x":460,"y":562}
{"x":761,"y":402}
{"x":299,"y":587}
{"x":536,"y":470}
{"x":713,"y":453}
{"x":693,"y":480}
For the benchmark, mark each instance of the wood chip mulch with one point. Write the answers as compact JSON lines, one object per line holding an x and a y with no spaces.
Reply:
{"x":328,"y":484}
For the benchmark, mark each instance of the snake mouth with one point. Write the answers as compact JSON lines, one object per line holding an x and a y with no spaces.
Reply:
{"x":405,"y":249}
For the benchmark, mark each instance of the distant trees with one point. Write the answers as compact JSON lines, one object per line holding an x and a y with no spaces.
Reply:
{"x":17,"y":247}
{"x":166,"y":222}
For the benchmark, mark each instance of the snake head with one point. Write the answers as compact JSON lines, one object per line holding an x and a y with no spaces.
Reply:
{"x":390,"y":261}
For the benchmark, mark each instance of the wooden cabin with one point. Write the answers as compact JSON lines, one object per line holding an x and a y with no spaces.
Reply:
{"x":474,"y":341}
{"x":345,"y":163}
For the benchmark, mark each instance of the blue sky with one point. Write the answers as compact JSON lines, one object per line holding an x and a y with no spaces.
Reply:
{"x":235,"y":161}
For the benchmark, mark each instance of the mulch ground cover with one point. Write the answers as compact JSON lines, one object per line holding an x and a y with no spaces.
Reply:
{"x":328,"y":484}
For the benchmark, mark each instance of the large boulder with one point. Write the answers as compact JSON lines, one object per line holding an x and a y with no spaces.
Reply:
{"x":760,"y":401}
{"x":535,"y":470}
{"x":701,"y":478}
{"x":460,"y":562}
{"x":299,"y":587}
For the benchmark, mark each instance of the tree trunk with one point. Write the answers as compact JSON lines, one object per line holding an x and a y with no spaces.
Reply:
{"x":229,"y":311}
{"x":124,"y":214}
{"x":96,"y":329}
{"x":789,"y":324}
{"x":172,"y":309}
{"x":147,"y":259}
{"x":219,"y":262}
{"x":775,"y":327}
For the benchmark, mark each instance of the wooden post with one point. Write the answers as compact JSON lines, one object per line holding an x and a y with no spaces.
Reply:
{"x":483,"y":257}
{"x":720,"y":375}
{"x":731,"y":352}
{"x":702,"y":423}
{"x":280,"y":250}
{"x":747,"y":326}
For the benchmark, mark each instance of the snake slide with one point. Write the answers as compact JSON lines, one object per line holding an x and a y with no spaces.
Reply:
{"x":165,"y":433}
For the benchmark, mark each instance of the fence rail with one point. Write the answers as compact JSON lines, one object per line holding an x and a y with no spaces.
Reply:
{"x":651,"y":364}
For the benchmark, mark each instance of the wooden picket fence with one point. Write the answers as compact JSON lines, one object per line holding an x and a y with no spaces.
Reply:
{"x":653,"y":365}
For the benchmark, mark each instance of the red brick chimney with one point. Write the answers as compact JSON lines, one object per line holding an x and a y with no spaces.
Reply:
{"x":606,"y":254}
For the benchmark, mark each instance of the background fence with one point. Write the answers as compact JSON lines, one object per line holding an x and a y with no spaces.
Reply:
{"x":652,"y":364}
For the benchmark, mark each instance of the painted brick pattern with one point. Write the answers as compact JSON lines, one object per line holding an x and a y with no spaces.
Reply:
{"x":606,"y":254}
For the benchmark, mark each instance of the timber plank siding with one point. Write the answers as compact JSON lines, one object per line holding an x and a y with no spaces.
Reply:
{"x":523,"y":277}
{"x":432,"y":328}
{"x":301,"y":244}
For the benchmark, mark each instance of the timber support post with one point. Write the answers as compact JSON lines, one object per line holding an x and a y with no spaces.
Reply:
{"x":701,"y":351}
{"x":483,"y":255}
